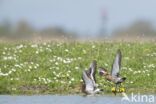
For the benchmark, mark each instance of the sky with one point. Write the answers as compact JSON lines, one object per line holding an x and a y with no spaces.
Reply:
{"x":81,"y":16}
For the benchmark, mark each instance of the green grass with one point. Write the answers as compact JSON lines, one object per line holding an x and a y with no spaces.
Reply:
{"x":56,"y":68}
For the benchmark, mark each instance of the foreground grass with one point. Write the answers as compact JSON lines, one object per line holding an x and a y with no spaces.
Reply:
{"x":55,"y":68}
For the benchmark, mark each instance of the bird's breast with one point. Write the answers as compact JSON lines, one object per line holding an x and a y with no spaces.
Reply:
{"x":109,"y":77}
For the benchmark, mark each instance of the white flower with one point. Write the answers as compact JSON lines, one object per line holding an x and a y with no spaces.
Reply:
{"x":151,"y":66}
{"x":45,"y":82}
{"x":54,"y":78}
{"x":25,"y":62}
{"x":147,"y":54}
{"x":86,"y":68}
{"x":16,"y":65}
{"x":20,"y":51}
{"x":13,"y":88}
{"x":9,"y":72}
{"x":106,"y":64}
{"x":68,"y":74}
{"x":34,"y":45}
{"x":76,"y":67}
{"x":64,"y":61}
{"x":146,"y":70}
{"x":124,"y":68}
{"x":3,"y":53}
{"x":139,"y":71}
{"x":37,"y":52}
{"x":49,"y":80}
{"x":79,"y":58}
{"x":93,"y":46}
{"x":128,"y":44}
{"x":10,"y":57}
{"x":135,"y":72}
{"x":5,"y":48}
{"x":6,"y":74}
{"x":66,"y":50}
{"x":30,"y":67}
{"x":54,"y":72}
{"x":58,"y":75}
{"x":130,"y":69}
{"x":84,"y":50}
{"x":35,"y":67}
{"x":126,"y":58}
{"x":57,"y":68}
{"x":5,"y":58}
{"x":56,"y":63}
{"x":5,"y":66}
{"x":72,"y":79}
{"x":44,"y":43}
{"x":41,"y":50}
{"x":51,"y":60}
{"x":48,"y":45}
{"x":69,"y":82}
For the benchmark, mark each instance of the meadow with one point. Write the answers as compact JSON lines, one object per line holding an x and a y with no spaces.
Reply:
{"x":56,"y":67}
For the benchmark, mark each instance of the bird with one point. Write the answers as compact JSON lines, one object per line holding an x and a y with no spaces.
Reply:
{"x":90,"y":86}
{"x":115,"y":72}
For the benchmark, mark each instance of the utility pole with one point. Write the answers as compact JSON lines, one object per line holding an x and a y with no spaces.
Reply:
{"x":103,"y":28}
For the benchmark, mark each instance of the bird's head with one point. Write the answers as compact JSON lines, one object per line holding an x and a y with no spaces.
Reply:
{"x":102,"y":71}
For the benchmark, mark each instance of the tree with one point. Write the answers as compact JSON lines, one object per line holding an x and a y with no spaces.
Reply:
{"x":23,"y":30}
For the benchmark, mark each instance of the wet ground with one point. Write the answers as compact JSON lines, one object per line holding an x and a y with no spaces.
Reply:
{"x":65,"y":99}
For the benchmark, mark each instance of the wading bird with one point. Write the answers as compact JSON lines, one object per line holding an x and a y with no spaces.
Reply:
{"x":116,"y":68}
{"x":90,"y":86}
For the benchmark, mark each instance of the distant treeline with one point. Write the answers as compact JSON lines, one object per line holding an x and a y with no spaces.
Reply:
{"x":23,"y":30}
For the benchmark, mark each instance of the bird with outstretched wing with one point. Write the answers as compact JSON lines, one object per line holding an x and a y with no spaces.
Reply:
{"x":115,"y":72}
{"x":90,"y":86}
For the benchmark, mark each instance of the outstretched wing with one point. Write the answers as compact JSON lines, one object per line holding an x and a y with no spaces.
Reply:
{"x":116,"y":65}
{"x":88,"y":82}
{"x":92,"y":71}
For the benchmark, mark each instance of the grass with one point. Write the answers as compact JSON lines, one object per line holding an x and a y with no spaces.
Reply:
{"x":56,"y":68}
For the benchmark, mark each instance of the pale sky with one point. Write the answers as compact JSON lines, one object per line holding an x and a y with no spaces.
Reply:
{"x":82,"y":16}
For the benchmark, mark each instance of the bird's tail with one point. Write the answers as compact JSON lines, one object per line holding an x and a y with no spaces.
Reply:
{"x":122,"y":79}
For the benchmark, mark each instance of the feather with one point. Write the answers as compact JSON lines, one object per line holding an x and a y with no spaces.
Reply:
{"x":116,"y":65}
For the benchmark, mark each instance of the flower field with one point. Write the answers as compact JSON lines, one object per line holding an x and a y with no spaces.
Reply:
{"x":56,"y":67}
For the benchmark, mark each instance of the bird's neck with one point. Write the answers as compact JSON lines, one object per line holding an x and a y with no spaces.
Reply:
{"x":106,"y":74}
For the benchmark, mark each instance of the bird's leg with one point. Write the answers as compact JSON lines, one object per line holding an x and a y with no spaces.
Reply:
{"x":115,"y":89}
{"x":119,"y":87}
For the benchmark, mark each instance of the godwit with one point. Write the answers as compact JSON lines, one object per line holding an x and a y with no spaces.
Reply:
{"x":90,"y":86}
{"x":116,"y":67}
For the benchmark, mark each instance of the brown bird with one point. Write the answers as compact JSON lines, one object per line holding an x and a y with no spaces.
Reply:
{"x":116,"y":68}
